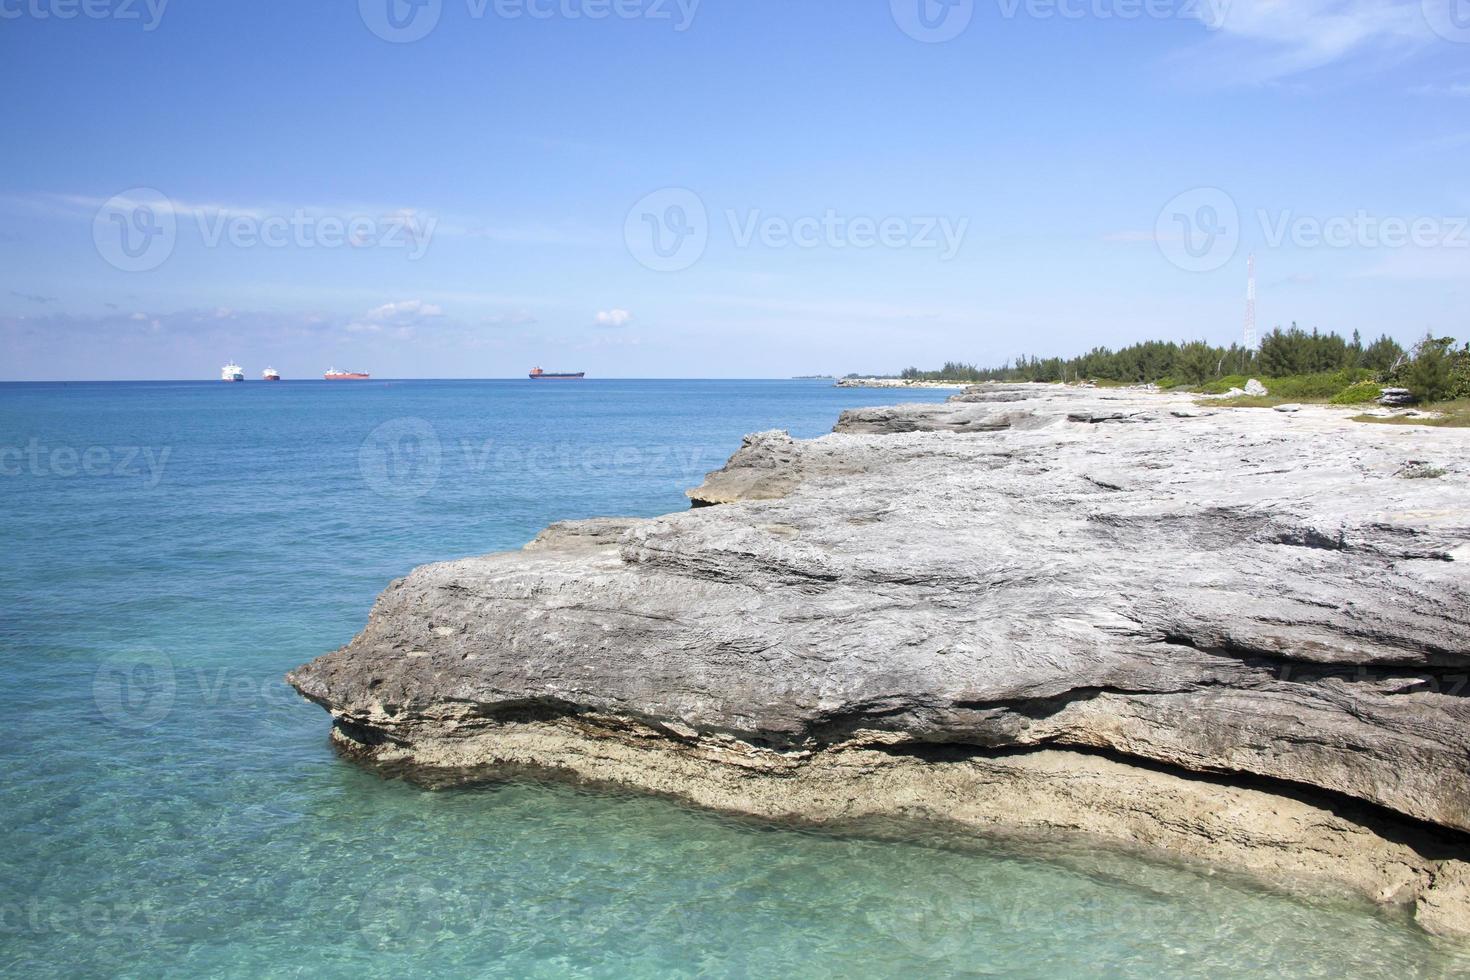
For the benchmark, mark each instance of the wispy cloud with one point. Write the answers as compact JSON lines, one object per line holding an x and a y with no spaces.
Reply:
{"x":33,"y":297}
{"x":399,"y":318}
{"x":1267,"y":40}
{"x":411,"y":309}
{"x":415,"y":219}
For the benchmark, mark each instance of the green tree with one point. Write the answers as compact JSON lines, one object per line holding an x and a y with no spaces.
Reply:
{"x":1430,"y":375}
{"x":1196,"y":363}
{"x":1382,"y":355}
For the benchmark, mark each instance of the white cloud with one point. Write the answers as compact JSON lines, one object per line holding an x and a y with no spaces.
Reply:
{"x":613,"y":318}
{"x":409,"y":309}
{"x":1264,"y":40}
{"x":400,"y":318}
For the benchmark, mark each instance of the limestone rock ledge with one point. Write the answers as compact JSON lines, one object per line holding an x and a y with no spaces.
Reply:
{"x":1239,"y":636}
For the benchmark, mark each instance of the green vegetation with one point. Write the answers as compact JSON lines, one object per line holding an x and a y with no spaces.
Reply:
{"x":1438,"y":372}
{"x":956,"y":371}
{"x":1295,"y":366}
{"x":1317,"y":387}
{"x":1283,"y":353}
{"x":1361,"y":393}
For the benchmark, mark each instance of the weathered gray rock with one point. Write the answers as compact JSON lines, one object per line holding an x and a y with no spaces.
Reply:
{"x":1255,"y":388}
{"x":1396,"y":397}
{"x":1244,"y":598}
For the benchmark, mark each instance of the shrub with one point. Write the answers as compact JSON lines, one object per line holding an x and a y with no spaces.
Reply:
{"x":1224,"y":384}
{"x":1460,"y":373}
{"x":1361,"y":393}
{"x":1431,"y":374}
{"x":1315,"y":386}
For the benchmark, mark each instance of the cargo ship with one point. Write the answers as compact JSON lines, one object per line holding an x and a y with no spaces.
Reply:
{"x":270,"y":374}
{"x":539,"y":375}
{"x":232,"y":372}
{"x":334,"y":375}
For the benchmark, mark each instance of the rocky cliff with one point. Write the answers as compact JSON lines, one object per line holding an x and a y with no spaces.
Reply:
{"x":1240,"y":636}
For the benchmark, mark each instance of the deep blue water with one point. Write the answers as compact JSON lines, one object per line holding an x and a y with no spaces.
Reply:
{"x":170,"y":807}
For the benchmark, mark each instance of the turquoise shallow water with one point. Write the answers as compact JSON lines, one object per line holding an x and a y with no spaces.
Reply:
{"x":169,"y":807}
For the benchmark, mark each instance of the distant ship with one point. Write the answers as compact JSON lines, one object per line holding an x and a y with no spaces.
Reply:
{"x":334,"y":375}
{"x":539,"y":375}
{"x":270,"y":374}
{"x":232,"y":372}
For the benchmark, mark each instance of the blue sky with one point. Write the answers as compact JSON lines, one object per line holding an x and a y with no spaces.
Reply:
{"x":833,"y":187}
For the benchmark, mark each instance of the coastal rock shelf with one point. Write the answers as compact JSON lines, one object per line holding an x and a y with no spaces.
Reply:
{"x":1234,"y":635}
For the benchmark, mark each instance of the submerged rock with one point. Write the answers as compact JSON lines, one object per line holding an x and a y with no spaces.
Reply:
{"x":1236,"y":636}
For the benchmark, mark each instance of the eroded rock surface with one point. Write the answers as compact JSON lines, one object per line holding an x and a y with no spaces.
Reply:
{"x":969,"y":610}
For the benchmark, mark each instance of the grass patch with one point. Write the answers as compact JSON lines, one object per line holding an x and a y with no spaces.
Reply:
{"x":1256,"y":401}
{"x":1453,"y":415}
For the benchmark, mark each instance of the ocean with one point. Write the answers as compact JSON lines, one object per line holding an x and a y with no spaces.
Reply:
{"x":171,"y":808}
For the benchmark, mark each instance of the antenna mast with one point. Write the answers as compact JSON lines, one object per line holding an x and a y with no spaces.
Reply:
{"x":1251,"y":341}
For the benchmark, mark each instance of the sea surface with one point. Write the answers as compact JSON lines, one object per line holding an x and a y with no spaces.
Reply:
{"x":170,"y":808}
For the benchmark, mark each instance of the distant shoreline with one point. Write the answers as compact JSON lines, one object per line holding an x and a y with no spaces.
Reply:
{"x":286,"y":379}
{"x":899,"y":383}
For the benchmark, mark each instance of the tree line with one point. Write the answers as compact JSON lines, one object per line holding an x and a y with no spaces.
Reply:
{"x":1282,"y":353}
{"x":1435,"y":370}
